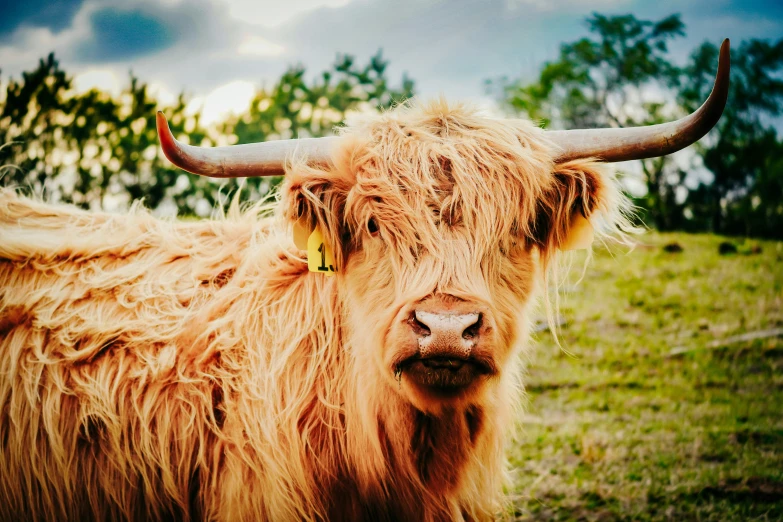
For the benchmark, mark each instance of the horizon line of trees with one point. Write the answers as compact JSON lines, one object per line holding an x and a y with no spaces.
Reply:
{"x":99,"y":151}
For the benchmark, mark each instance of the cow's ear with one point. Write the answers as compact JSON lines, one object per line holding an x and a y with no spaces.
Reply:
{"x":313,"y":198}
{"x":580,"y":191}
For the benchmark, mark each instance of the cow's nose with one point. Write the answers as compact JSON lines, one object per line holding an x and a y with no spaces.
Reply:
{"x":446,"y":334}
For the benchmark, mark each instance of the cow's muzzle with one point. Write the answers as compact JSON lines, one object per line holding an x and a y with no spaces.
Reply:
{"x":450,"y":347}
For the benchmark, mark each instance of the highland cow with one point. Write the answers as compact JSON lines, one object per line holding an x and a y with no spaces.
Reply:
{"x":164,"y":370}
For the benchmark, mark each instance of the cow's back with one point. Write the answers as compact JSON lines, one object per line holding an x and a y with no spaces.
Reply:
{"x":98,"y":413}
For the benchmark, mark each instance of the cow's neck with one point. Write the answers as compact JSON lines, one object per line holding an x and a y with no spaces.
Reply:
{"x":436,"y":448}
{"x":402,"y":456}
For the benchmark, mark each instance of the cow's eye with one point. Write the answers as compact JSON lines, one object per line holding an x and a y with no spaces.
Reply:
{"x":372,"y":226}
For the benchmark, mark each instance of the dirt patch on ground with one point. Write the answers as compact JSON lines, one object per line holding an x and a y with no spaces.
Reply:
{"x":752,"y":489}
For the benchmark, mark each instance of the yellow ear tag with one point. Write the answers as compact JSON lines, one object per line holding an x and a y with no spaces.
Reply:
{"x":301,"y":233}
{"x":580,"y":235}
{"x":319,"y":255}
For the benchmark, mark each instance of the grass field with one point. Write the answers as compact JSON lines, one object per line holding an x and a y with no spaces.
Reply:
{"x":625,"y":429}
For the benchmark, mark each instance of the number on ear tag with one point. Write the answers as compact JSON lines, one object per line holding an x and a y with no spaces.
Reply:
{"x":580,"y":235}
{"x":319,"y":255}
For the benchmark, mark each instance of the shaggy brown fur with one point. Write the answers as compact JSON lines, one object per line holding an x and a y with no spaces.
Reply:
{"x":154,"y":370}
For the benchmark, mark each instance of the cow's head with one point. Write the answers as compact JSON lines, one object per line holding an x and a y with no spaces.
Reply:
{"x":440,"y":220}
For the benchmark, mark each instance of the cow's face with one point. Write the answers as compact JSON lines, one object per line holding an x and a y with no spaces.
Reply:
{"x":441,"y":222}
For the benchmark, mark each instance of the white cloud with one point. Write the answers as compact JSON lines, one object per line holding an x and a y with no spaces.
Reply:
{"x":102,"y":79}
{"x":257,"y":46}
{"x":231,"y":98}
{"x":562,"y":5}
{"x":162,"y":93}
{"x":28,"y":44}
{"x":271,"y":13}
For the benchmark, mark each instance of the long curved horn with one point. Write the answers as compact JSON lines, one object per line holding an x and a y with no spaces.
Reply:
{"x":254,"y":159}
{"x":648,"y":142}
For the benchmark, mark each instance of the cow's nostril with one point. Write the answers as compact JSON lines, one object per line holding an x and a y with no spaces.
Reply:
{"x":419,"y":328}
{"x":472,"y":331}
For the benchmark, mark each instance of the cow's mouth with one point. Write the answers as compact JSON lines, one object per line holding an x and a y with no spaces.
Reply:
{"x":444,"y":374}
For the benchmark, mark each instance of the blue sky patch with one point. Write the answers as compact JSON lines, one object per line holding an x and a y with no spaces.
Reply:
{"x":124,"y":35}
{"x":54,"y":14}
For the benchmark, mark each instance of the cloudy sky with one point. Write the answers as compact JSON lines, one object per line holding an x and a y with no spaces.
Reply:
{"x":218,"y":50}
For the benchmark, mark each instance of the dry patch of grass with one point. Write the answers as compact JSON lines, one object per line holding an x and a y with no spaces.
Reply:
{"x":624,"y":430}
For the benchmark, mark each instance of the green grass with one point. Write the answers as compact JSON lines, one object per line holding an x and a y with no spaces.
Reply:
{"x":620,"y":429}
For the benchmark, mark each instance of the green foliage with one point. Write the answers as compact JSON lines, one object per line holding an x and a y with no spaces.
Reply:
{"x":746,"y":158}
{"x":296,"y":108}
{"x":85,"y":148}
{"x":98,"y":151}
{"x":600,"y":81}
{"x":589,"y":85}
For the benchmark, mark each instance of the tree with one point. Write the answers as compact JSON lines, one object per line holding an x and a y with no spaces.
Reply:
{"x":590,"y":84}
{"x":98,"y":151}
{"x":82,"y":148}
{"x":294,"y":107}
{"x":602,"y":81}
{"x":745,"y":155}
{"x":32,"y":119}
